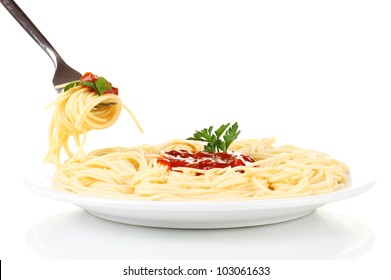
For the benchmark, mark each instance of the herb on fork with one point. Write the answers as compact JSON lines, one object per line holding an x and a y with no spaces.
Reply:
{"x":98,"y":84}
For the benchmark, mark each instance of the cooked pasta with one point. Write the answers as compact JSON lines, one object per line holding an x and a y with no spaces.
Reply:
{"x":178,"y":169}
{"x":134,"y":173}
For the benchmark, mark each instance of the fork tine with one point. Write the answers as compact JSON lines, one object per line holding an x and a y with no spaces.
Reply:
{"x":64,"y":74}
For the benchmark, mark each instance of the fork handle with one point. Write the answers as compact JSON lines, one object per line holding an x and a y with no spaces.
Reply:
{"x":31,"y":29}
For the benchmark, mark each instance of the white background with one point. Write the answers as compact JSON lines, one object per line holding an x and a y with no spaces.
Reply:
{"x":312,"y":73}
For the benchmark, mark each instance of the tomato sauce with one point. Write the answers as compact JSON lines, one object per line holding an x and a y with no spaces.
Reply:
{"x":202,"y":160}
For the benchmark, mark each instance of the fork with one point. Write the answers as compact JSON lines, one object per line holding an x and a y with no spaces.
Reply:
{"x":63,"y":72}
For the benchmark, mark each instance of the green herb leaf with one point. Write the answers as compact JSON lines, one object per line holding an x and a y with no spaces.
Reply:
{"x":102,"y":85}
{"x":91,"y":85}
{"x":71,"y":85}
{"x":221,"y":130}
{"x":231,"y":134}
{"x":203,"y":135}
{"x":214,"y":143}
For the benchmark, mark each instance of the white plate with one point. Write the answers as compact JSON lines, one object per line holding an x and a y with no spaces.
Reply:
{"x":199,"y":214}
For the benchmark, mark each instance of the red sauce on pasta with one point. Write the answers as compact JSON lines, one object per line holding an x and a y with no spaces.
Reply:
{"x":202,"y":160}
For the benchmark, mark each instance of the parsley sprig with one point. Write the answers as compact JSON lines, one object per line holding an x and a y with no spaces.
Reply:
{"x":100,"y":86}
{"x":213,"y":138}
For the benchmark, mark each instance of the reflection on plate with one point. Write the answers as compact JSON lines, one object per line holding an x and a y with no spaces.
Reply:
{"x":198,"y":214}
{"x":77,"y":235}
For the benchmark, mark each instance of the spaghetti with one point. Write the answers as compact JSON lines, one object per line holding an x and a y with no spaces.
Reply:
{"x":135,"y":173}
{"x":179,"y":169}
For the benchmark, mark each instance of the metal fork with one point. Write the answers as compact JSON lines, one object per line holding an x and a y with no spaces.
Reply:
{"x":63,"y":72}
